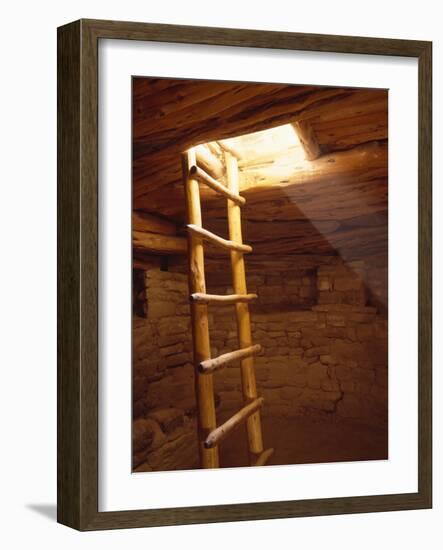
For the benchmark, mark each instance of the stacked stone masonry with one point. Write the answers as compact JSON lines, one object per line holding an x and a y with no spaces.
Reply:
{"x":164,"y":429}
{"x":324,"y":354}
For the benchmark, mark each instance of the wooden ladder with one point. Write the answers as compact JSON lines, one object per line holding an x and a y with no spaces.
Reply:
{"x":210,"y":435}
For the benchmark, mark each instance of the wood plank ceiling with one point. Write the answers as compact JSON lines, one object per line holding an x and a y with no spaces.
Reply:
{"x":334,"y":204}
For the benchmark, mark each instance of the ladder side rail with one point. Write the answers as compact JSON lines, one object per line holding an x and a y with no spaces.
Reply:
{"x":204,"y":386}
{"x":253,"y":423}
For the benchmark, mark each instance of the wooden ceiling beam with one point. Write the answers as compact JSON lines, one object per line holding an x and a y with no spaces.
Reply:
{"x":345,"y":176}
{"x":263,"y":111}
{"x":228,"y":147}
{"x":142,"y":221}
{"x":209,"y":162}
{"x":362,"y":163}
{"x":154,"y":243}
{"x":308,"y":139}
{"x":156,"y":235}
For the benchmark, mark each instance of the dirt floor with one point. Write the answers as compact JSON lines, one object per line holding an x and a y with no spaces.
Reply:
{"x":303,"y":440}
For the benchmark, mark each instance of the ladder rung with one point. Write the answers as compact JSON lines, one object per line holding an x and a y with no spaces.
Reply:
{"x":202,"y":298}
{"x":231,"y":245}
{"x":210,"y":365}
{"x":264,"y":457}
{"x":222,"y":431}
{"x":204,"y":177}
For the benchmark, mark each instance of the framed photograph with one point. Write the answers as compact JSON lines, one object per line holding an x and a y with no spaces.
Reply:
{"x":244,"y":275}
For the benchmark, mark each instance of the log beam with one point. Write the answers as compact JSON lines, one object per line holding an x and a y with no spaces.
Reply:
{"x":362,"y":163}
{"x":308,"y":139}
{"x":142,"y":221}
{"x":228,"y":147}
{"x":155,"y":243}
{"x":209,"y":162}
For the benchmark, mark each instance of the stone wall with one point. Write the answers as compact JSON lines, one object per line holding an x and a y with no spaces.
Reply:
{"x":332,"y":359}
{"x":376,"y":281}
{"x":164,"y":427}
{"x":328,"y":358}
{"x":295,"y":289}
{"x":324,"y":354}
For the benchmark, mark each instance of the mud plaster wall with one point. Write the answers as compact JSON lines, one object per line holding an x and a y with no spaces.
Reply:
{"x":325,"y":354}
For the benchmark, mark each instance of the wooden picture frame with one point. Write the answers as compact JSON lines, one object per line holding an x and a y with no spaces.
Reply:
{"x":77,"y":273}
